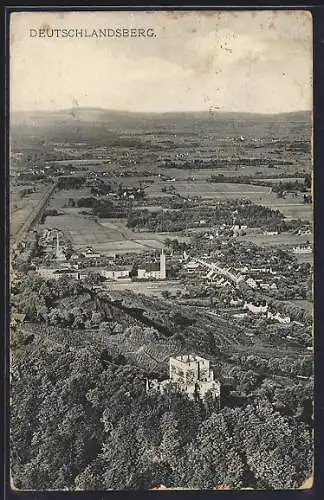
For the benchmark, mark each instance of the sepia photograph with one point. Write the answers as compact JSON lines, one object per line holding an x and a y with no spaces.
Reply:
{"x":161,"y":250}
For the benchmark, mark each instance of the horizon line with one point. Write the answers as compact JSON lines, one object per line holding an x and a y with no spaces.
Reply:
{"x":175,"y":111}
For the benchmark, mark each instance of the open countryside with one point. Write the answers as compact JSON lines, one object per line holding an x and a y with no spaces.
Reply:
{"x":132,"y":257}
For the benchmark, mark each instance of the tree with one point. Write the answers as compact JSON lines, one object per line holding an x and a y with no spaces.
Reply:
{"x":211,"y":459}
{"x":120,"y":456}
{"x":32,"y":304}
{"x":91,"y":478}
{"x":249,"y":381}
{"x":170,"y":447}
{"x":93,"y":279}
{"x":71,"y":202}
{"x":271,"y":444}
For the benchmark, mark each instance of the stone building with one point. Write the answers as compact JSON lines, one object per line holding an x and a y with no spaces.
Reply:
{"x":117,"y":273}
{"x":191,"y":374}
{"x":154,"y":270}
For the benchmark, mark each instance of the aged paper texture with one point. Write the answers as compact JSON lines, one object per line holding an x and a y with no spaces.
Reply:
{"x":161,"y":251}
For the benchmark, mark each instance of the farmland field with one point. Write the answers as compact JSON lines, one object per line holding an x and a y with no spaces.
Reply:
{"x":286,"y":239}
{"x":204,"y":173}
{"x":59,"y":198}
{"x":109,"y":236}
{"x":305,"y":257}
{"x":22,"y":208}
{"x":291,"y":209}
{"x":207,"y":190}
{"x":153,"y":288}
{"x":304,"y":304}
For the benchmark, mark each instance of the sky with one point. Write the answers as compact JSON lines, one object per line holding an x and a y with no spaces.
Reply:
{"x":197,"y":61}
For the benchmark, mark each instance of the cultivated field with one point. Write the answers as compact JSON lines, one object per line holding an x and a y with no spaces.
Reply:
{"x":304,"y":304}
{"x":291,"y":209}
{"x":306,"y":257}
{"x":282,"y":239}
{"x":21,"y":209}
{"x":208,"y":190}
{"x":152,"y":288}
{"x":107,"y":236}
{"x":60,"y":198}
{"x":253,"y":171}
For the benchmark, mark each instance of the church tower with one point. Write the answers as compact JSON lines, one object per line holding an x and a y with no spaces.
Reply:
{"x":60,"y":256}
{"x":57,"y":246}
{"x":162,"y":266}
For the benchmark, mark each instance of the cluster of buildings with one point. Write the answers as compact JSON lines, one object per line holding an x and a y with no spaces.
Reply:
{"x":263,"y":309}
{"x":216,"y":273}
{"x":56,"y":273}
{"x":239,"y":230}
{"x":234,"y":230}
{"x":302,"y":249}
{"x":190,"y":374}
{"x":50,"y":241}
{"x":151,"y":271}
{"x":225,"y":276}
{"x":59,"y":265}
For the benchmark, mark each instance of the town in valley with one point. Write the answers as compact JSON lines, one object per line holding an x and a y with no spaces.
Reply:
{"x":161,"y":310}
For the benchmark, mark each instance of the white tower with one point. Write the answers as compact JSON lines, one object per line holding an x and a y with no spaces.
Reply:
{"x":57,"y":245}
{"x":162,"y":266}
{"x":59,"y":253}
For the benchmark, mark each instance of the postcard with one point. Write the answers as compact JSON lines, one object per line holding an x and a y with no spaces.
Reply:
{"x":161,"y":250}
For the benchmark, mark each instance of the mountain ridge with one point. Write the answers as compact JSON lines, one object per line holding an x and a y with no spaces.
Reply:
{"x":82,"y":111}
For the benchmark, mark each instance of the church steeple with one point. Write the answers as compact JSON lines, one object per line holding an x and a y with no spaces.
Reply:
{"x":162,"y":265}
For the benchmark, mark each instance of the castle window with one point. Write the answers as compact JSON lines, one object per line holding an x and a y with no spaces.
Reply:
{"x":190,"y":376}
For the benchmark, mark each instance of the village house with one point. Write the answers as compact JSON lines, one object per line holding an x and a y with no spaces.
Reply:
{"x":256,"y":309}
{"x":55,"y":273}
{"x":117,"y":272}
{"x":270,"y":233}
{"x":191,"y":267}
{"x":89,"y":253}
{"x":301,"y":249}
{"x":252,"y":283}
{"x":277,"y":317}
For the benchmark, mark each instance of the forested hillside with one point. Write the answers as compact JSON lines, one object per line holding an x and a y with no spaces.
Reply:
{"x":81,"y":418}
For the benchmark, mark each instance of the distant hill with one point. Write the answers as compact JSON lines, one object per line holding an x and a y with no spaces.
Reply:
{"x":87,"y":122}
{"x":111,"y":116}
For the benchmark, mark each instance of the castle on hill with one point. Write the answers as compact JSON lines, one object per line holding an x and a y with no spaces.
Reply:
{"x":190,"y":374}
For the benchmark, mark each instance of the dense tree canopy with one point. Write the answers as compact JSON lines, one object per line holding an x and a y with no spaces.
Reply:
{"x":79,"y":423}
{"x":82,"y":419}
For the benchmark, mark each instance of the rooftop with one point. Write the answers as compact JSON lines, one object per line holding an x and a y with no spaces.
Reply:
{"x":186,"y":358}
{"x":152,"y":266}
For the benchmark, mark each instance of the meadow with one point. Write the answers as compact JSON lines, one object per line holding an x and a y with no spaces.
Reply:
{"x":283,"y":239}
{"x":23,"y":208}
{"x":107,"y":236}
{"x":154,"y":289}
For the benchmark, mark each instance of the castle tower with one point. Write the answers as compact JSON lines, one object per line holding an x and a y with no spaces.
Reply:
{"x":162,"y":266}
